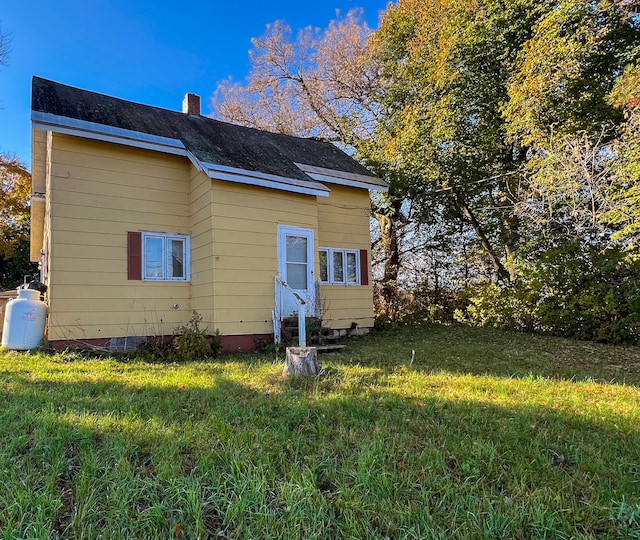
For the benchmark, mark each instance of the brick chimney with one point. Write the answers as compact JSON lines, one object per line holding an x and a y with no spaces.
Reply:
{"x":191,"y":104}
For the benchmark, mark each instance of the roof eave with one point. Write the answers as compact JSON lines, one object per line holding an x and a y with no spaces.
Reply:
{"x":332,"y":176}
{"x":255,"y":178}
{"x":95,"y":131}
{"x":92,"y":130}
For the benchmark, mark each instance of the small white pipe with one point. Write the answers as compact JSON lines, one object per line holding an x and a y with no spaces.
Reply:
{"x":302,"y":326}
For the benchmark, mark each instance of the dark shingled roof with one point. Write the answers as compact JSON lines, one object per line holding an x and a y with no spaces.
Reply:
{"x":209,"y":140}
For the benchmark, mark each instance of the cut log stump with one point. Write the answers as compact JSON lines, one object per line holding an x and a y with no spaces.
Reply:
{"x":301,"y":362}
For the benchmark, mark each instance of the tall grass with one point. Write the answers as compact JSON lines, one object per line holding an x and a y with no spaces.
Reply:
{"x":484,"y":434}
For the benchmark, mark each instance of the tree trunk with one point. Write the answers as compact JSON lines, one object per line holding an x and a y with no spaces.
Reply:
{"x":386,"y":218}
{"x":510,"y":233}
{"x":499,"y":268}
{"x":301,"y":362}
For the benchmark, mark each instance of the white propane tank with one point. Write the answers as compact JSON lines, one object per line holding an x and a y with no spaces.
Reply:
{"x":24,"y":321}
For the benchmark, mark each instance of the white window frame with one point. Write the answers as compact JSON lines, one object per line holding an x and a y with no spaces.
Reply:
{"x":330,"y":270}
{"x":166,"y":238}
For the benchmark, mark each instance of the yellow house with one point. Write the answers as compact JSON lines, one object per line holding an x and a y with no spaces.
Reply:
{"x":141,"y":215}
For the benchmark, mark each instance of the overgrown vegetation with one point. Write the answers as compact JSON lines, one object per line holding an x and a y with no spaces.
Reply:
{"x":568,"y":291}
{"x":514,"y":126}
{"x":189,"y":342}
{"x":479,"y":434}
{"x":192,"y":342}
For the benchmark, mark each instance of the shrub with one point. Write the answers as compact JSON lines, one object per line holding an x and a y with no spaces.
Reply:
{"x":192,"y":342}
{"x":268,"y":347}
{"x":582,"y":293}
{"x":157,"y":349}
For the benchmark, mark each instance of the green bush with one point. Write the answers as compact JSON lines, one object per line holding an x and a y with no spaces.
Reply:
{"x":157,"y":350}
{"x":192,"y":342}
{"x":569,"y":291}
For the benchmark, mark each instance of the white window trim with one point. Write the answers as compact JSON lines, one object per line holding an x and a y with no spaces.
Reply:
{"x":331,"y":277}
{"x":165,"y":238}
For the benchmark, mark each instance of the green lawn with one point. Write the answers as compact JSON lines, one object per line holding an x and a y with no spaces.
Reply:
{"x":486,"y":434}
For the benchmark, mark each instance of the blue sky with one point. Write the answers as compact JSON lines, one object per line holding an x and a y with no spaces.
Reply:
{"x":151,"y":52}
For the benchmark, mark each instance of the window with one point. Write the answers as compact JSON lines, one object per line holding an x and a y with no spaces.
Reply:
{"x":324,"y":268}
{"x":165,"y":257}
{"x":339,"y":266}
{"x":352,"y":267}
{"x":158,"y":256}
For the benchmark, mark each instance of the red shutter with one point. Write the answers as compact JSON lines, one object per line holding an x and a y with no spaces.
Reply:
{"x":364,"y":267}
{"x":134,"y":255}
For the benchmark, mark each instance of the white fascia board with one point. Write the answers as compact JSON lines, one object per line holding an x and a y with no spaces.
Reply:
{"x":101,"y":132}
{"x":342,"y":178}
{"x":254,"y":178}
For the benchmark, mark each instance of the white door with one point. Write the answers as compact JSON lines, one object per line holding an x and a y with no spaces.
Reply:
{"x":295,"y":267}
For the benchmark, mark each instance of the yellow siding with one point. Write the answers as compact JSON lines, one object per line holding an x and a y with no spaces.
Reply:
{"x":344,"y":218}
{"x":111,"y":291}
{"x":38,"y":188}
{"x":38,"y":210}
{"x":245,"y":262}
{"x":99,"y":191}
{"x":245,"y":224}
{"x":343,"y":222}
{"x":202,"y":299}
{"x":38,"y":160}
{"x":46,"y":236}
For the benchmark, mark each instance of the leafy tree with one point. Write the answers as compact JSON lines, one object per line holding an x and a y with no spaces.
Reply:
{"x":513,"y":117}
{"x":15,"y":187}
{"x":566,"y":70}
{"x":566,"y":196}
{"x":624,"y":210}
{"x":568,"y":290}
{"x":446,"y":66}
{"x":319,"y":83}
{"x":476,"y":91}
{"x":567,"y":102}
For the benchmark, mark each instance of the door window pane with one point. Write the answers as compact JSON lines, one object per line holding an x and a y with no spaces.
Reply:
{"x":297,"y":276}
{"x":296,"y":249}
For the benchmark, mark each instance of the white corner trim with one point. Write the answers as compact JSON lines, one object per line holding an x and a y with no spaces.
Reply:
{"x":332,"y":176}
{"x":196,"y":162}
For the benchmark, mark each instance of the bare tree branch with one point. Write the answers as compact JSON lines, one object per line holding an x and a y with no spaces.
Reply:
{"x":5,"y":42}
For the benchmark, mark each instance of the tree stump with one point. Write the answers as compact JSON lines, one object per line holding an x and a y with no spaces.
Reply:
{"x":301,"y":362}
